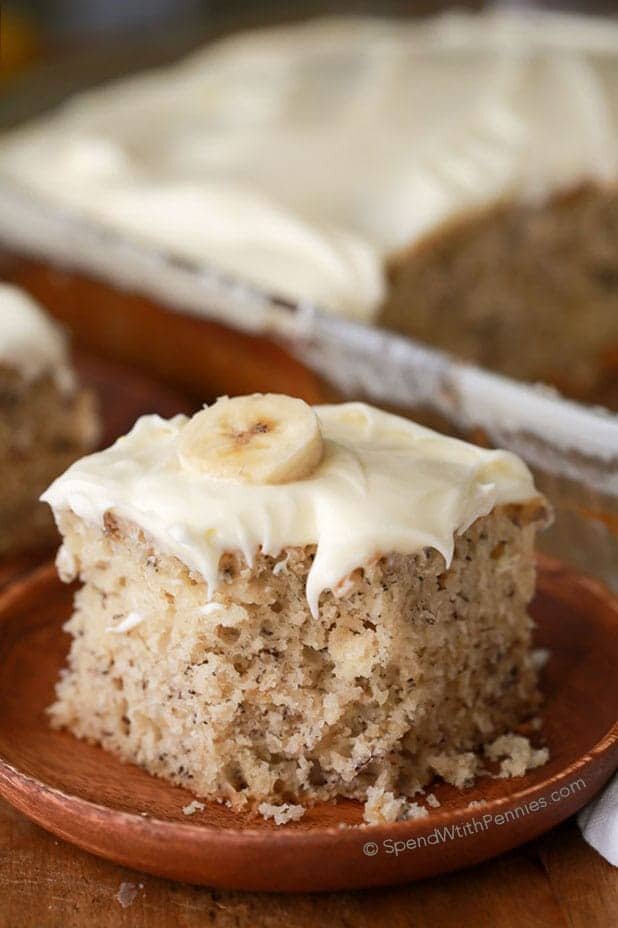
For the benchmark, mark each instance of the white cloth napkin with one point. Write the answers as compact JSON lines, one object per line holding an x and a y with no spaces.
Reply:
{"x":599,"y":822}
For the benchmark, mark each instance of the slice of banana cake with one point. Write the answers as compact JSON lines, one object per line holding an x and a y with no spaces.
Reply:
{"x":283,"y":604}
{"x":46,"y":421}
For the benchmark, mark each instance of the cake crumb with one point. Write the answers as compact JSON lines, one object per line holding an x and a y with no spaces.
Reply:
{"x":516,"y":755}
{"x":412,"y":810}
{"x":383,"y":807}
{"x":457,"y":769}
{"x":540,"y":657}
{"x":281,"y":814}
{"x":280,"y":567}
{"x":193,"y":807}
{"x":432,"y":800}
{"x":476,"y":804}
{"x":126,"y":894}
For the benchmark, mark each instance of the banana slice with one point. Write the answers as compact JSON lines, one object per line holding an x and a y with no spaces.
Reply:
{"x":263,"y":438}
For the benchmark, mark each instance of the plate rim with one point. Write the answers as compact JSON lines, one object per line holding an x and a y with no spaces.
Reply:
{"x":17,"y":786}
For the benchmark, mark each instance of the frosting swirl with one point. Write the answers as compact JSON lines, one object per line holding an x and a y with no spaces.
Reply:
{"x":384,"y":484}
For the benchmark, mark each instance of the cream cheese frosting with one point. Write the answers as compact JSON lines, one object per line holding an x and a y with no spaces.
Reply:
{"x":298,"y":158}
{"x":385,"y":484}
{"x":29,"y":341}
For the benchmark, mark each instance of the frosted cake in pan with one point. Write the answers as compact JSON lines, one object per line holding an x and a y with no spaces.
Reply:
{"x":453,"y":179}
{"x":284,"y":604}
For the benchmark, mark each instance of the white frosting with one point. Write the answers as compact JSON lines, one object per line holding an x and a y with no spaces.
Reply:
{"x":384,"y":485}
{"x":29,"y":341}
{"x":297,"y":158}
{"x":131,"y":621}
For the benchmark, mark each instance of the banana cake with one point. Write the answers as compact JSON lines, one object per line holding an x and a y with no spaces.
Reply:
{"x":283,"y":603}
{"x":46,"y":420}
{"x":470,"y":200}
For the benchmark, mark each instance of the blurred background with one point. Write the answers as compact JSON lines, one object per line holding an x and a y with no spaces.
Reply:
{"x":74,"y":43}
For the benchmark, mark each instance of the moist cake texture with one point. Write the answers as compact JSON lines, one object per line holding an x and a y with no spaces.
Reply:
{"x":46,"y":421}
{"x":282,"y":604}
{"x":529,"y":290}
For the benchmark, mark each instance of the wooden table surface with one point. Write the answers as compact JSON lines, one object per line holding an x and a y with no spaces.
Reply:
{"x":556,"y":881}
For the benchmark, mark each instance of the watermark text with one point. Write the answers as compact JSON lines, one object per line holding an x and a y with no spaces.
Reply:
{"x":479,"y":823}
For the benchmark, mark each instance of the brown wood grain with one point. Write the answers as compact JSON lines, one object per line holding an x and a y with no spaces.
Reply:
{"x":554,"y":882}
{"x":582,"y":880}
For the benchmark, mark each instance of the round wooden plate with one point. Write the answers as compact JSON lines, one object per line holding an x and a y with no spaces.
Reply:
{"x":118,"y":811}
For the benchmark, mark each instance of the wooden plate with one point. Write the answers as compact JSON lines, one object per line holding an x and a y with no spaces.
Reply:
{"x":118,"y":811}
{"x":123,"y":395}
